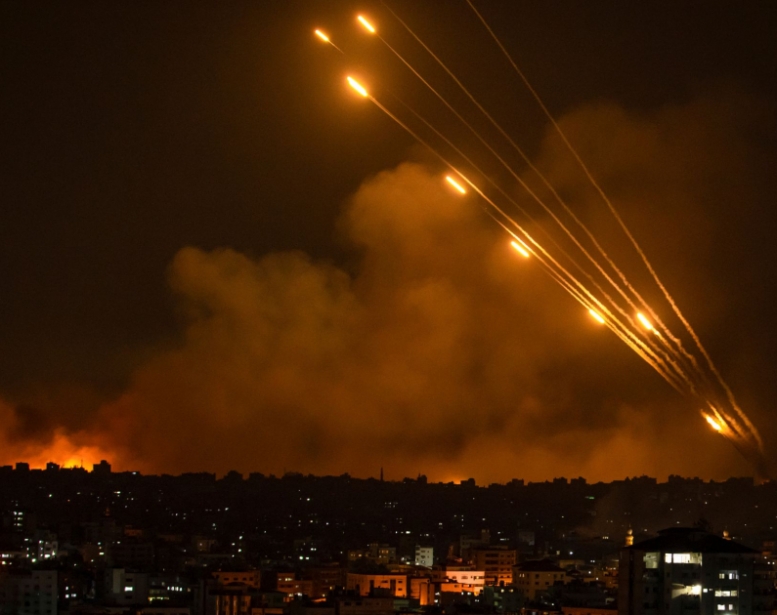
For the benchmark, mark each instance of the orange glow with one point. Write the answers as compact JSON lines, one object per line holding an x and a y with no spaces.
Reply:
{"x":73,"y":462}
{"x":520,"y":249}
{"x":367,"y":25}
{"x":713,"y":423}
{"x":597,"y":316}
{"x":455,"y":184}
{"x":357,"y":86}
{"x":322,"y":36}
{"x":645,"y":322}
{"x":63,"y":451}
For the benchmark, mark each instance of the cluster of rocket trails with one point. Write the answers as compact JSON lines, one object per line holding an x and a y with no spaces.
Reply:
{"x":564,"y":246}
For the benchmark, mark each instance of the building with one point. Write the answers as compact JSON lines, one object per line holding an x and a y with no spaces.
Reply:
{"x":287,"y":583}
{"x":424,"y":556}
{"x":251,"y":578}
{"x":377,"y":584}
{"x":29,"y":592}
{"x":101,"y":469}
{"x":461,"y":575}
{"x":124,"y":587}
{"x":687,"y":570}
{"x":360,"y":605}
{"x":326,"y":578}
{"x":132,"y":554}
{"x":423,"y":590}
{"x":43,"y":546}
{"x":536,"y":576}
{"x":496,"y":563}
{"x":381,"y":554}
{"x":468,"y":542}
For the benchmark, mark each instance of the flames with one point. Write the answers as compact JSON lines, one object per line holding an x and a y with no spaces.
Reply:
{"x":63,"y":450}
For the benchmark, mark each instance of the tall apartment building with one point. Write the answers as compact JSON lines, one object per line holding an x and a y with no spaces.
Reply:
{"x":685,"y":571}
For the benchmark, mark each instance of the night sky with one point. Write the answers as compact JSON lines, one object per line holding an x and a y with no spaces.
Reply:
{"x":214,"y":256}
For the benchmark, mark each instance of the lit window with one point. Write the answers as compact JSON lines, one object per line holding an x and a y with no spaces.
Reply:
{"x":681,"y":558}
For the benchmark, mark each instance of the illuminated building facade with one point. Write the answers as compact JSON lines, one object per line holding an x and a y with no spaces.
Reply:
{"x":496,"y":563}
{"x":424,"y":556}
{"x":686,"y":570}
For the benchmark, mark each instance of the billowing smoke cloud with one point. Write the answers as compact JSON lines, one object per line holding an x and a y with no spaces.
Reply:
{"x":445,"y":353}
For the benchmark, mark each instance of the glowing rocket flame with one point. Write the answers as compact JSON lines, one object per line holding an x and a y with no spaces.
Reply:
{"x":597,"y":316}
{"x":644,"y":321}
{"x":455,"y":184}
{"x":322,"y":36}
{"x":713,"y":423}
{"x":520,"y":249}
{"x":367,"y":25}
{"x":357,"y":86}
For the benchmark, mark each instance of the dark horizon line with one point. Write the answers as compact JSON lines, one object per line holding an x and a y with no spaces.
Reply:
{"x":421,"y":478}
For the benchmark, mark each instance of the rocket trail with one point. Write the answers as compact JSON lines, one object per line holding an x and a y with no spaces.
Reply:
{"x":596,"y":316}
{"x":662,"y":364}
{"x":358,"y":87}
{"x":521,"y":182}
{"x":367,"y":25}
{"x":626,"y":231}
{"x":327,"y":40}
{"x":630,"y":318}
{"x":455,"y":184}
{"x":664,"y":359}
{"x":521,"y":249}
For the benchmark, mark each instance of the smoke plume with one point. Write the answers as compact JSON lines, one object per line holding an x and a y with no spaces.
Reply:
{"x":444,"y":353}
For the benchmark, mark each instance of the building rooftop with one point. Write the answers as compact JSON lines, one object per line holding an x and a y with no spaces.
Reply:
{"x":690,"y":540}
{"x":543,"y":565}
